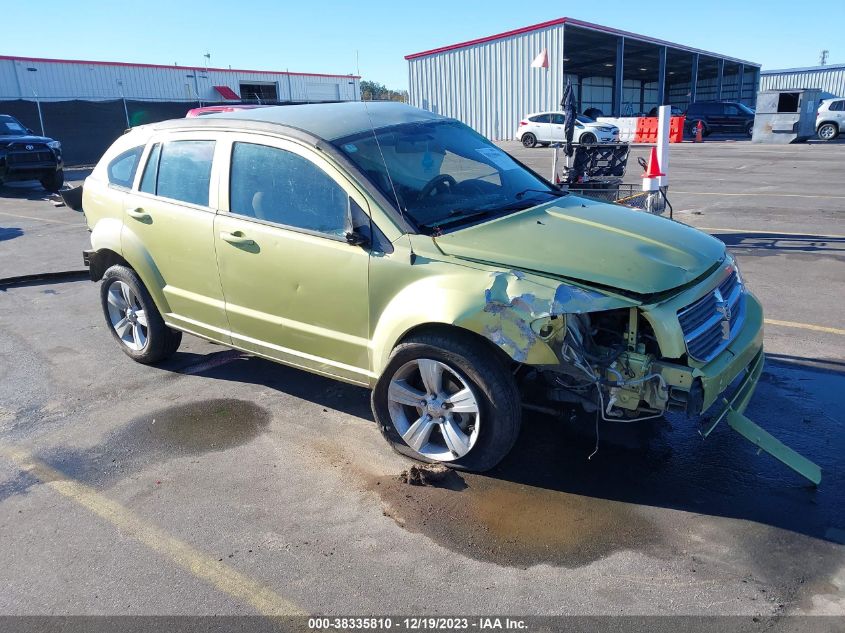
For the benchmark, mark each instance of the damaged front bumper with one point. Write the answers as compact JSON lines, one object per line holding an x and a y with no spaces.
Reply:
{"x":728,"y":383}
{"x":732,"y":410}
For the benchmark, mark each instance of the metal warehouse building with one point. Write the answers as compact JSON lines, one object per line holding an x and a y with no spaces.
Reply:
{"x":829,"y":79}
{"x":87,"y":104}
{"x":58,"y":79}
{"x":489,"y":83}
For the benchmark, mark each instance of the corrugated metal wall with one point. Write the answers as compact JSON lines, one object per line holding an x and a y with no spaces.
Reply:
{"x":490,"y":85}
{"x":830,"y":79}
{"x":59,"y":80}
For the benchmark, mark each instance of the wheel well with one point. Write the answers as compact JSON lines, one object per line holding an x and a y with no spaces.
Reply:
{"x":454,"y":330}
{"x":834,"y":123}
{"x":102,"y":260}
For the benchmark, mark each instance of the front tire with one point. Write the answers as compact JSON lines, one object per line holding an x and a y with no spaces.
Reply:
{"x":448,"y":398}
{"x":827,"y":131}
{"x":529,"y":140}
{"x":749,"y":130}
{"x":133,"y":319}
{"x":588,"y":139}
{"x":54,"y":181}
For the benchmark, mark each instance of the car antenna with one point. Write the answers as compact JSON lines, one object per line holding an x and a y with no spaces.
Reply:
{"x":384,"y":162}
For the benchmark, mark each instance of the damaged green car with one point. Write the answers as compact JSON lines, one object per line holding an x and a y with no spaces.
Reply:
{"x":393,"y":248}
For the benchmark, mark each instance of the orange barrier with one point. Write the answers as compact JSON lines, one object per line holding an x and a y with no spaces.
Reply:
{"x":647,"y":129}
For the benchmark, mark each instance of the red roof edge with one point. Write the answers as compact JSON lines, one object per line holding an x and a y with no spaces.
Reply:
{"x":490,"y":38}
{"x":137,"y":65}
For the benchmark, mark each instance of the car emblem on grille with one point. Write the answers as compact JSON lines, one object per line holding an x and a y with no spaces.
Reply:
{"x":723,"y":308}
{"x":30,"y":147}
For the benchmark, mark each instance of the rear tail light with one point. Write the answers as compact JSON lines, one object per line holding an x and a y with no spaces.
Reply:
{"x":523,"y":122}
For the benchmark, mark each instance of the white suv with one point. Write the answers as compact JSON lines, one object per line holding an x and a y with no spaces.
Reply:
{"x":542,"y":128}
{"x":830,"y":119}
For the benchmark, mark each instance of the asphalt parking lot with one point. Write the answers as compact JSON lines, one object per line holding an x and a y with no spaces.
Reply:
{"x":222,"y":484}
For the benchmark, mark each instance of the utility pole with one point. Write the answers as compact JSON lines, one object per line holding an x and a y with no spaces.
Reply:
{"x":37,"y":100}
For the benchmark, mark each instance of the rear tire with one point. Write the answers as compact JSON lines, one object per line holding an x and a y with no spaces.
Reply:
{"x":54,"y":181}
{"x":827,"y":131}
{"x":133,"y":318}
{"x":529,"y":140}
{"x":749,"y":130}
{"x":489,"y":414}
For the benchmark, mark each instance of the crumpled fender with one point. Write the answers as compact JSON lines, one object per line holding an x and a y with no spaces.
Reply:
{"x":518,"y":305}
{"x":508,"y":308}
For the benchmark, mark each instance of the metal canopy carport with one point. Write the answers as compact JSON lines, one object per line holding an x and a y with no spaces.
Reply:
{"x":489,"y":84}
{"x":640,"y":73}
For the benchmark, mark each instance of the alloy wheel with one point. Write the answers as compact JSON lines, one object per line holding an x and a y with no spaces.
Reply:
{"x":434,"y":409}
{"x":127,"y":316}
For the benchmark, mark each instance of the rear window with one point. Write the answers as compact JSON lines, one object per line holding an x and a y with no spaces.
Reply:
{"x":121,"y":170}
{"x":180,"y":170}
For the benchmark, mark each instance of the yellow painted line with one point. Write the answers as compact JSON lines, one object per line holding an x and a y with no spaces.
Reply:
{"x":204,"y":567}
{"x":806,"y":326}
{"x":760,"y":193}
{"x":29,"y":217}
{"x":817,"y":238}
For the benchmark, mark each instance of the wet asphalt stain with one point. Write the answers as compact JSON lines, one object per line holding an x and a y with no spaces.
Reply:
{"x":513,"y":524}
{"x":547,"y":503}
{"x":180,"y":430}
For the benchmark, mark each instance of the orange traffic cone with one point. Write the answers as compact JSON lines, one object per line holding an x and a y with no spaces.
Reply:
{"x":699,"y":132}
{"x":653,"y":170}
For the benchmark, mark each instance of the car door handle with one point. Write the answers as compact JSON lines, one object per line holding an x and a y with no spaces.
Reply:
{"x":237,"y":238}
{"x":138,"y":214}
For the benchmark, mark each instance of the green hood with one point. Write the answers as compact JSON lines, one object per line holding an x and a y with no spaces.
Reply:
{"x":593,"y":242}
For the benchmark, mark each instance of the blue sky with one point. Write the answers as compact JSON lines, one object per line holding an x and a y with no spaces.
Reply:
{"x":324,"y":35}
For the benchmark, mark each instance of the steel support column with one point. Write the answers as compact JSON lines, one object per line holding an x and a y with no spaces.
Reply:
{"x":693,"y":81}
{"x":661,"y":76}
{"x":720,"y":76}
{"x":617,"y":83}
{"x":740,"y":80}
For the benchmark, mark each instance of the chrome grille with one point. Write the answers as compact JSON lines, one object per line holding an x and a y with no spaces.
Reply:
{"x":711,"y":323}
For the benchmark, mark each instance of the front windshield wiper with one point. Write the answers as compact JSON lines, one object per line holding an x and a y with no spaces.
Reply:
{"x":551,"y":192}
{"x":458,"y":216}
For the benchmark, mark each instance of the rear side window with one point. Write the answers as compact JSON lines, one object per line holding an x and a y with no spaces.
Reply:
{"x":180,"y":170}
{"x":278,"y":186}
{"x":838,"y":106}
{"x":121,"y":170}
{"x":541,"y":118}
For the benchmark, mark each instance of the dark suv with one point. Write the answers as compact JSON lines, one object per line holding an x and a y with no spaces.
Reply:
{"x":24,"y":156}
{"x":720,"y":116}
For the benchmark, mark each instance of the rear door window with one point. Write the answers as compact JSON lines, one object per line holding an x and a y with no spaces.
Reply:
{"x":541,"y":118}
{"x":150,"y":175}
{"x":183,"y":171}
{"x":838,"y":106}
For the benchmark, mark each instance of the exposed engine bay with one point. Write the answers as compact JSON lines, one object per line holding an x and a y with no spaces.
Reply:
{"x":610,"y":364}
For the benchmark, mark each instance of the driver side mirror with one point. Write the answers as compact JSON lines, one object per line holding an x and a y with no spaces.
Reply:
{"x":356,"y":239}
